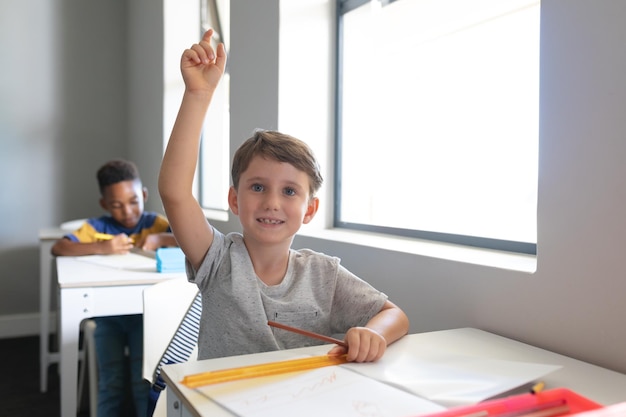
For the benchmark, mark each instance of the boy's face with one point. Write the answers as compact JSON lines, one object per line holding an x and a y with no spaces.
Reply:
{"x":124,"y":201}
{"x":272,"y":200}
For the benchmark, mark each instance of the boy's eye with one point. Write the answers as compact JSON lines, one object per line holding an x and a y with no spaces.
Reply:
{"x":120,"y":206}
{"x":257,"y":187}
{"x":290,"y":191}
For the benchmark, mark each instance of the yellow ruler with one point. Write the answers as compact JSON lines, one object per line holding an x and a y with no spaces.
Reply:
{"x":266,"y":369}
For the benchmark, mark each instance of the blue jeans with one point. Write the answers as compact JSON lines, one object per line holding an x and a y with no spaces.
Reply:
{"x":112,"y":336}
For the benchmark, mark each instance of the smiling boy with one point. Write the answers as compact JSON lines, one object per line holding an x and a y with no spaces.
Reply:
{"x":249,"y":278}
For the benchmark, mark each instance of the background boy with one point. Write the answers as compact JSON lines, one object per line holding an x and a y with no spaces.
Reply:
{"x":125,"y":226}
{"x":246,"y":279}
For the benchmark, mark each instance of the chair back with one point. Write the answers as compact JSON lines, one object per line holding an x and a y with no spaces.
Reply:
{"x":164,"y":306}
{"x":72,"y":225}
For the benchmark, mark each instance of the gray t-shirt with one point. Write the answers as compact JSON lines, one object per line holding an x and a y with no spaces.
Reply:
{"x":316,"y":294}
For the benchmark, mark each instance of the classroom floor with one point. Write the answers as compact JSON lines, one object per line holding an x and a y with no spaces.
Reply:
{"x":19,"y":390}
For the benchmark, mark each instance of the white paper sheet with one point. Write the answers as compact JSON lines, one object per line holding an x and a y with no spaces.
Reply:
{"x":451,"y":379}
{"x":130,"y":261}
{"x":324,"y":391}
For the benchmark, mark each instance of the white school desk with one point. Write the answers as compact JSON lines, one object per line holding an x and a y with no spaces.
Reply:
{"x":91,"y":290}
{"x":47,"y":237}
{"x":598,"y":384}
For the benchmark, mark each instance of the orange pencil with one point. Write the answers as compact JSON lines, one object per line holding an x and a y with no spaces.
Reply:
{"x":264,"y":369}
{"x":106,"y":236}
{"x":103,"y":236}
{"x":538,"y":387}
{"x":307,"y":333}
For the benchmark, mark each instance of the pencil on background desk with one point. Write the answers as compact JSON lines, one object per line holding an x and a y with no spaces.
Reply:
{"x":106,"y":236}
{"x":307,"y":333}
{"x":103,"y":236}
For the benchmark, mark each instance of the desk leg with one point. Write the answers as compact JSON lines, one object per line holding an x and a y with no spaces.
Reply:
{"x":45,"y":272}
{"x":175,"y":407}
{"x":73,"y":311}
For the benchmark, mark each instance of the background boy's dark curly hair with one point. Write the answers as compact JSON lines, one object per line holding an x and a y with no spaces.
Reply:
{"x":115,"y":171}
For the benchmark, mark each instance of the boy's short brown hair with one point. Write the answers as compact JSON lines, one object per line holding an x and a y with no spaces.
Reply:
{"x":279,"y":147}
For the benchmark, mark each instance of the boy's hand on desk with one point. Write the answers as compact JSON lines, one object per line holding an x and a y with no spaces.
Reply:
{"x":119,"y":244}
{"x":151,"y":242}
{"x":364,"y":345}
{"x":154,"y":241}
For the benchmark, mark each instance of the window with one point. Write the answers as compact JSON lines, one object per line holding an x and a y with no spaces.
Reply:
{"x":212,"y":180}
{"x":437,"y":126}
{"x":214,"y":161}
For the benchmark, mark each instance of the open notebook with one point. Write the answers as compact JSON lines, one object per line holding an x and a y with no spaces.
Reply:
{"x":408,"y":384}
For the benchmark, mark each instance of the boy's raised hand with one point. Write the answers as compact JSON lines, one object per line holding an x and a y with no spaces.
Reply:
{"x":201,"y":66}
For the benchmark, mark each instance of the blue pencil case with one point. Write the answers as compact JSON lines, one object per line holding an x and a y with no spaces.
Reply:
{"x":170,"y":260}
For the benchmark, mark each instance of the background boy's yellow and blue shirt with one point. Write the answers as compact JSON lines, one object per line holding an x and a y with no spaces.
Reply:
{"x":148,"y":224}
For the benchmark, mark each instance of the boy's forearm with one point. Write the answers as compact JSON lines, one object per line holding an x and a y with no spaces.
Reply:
{"x":65,"y":247}
{"x":391,"y":323}
{"x":201,"y":68}
{"x":167,"y":240}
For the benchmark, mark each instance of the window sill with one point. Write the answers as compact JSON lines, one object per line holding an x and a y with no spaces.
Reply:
{"x":445,"y":251}
{"x":214,"y":214}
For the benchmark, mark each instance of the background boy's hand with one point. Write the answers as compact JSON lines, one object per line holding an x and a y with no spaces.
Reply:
{"x":201,"y":66}
{"x":154,"y":241}
{"x":151,"y":242}
{"x":119,"y":244}
{"x":364,"y":345}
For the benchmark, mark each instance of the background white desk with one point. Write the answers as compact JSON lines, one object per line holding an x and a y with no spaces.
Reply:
{"x":88,"y":289}
{"x":598,"y":384}
{"x":47,"y":237}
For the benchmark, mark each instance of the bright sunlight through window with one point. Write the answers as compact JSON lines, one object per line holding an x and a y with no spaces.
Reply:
{"x":438,"y":116}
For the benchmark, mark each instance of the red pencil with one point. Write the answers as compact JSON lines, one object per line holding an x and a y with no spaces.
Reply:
{"x":309,"y":334}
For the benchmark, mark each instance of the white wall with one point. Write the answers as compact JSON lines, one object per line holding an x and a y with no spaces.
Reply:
{"x":145,"y":42}
{"x":572,"y":304}
{"x":63,"y":112}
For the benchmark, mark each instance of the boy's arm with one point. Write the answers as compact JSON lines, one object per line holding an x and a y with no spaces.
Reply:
{"x":119,"y":244}
{"x":155,"y":241}
{"x":202,"y":69}
{"x":368,"y":344}
{"x":391,"y":323}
